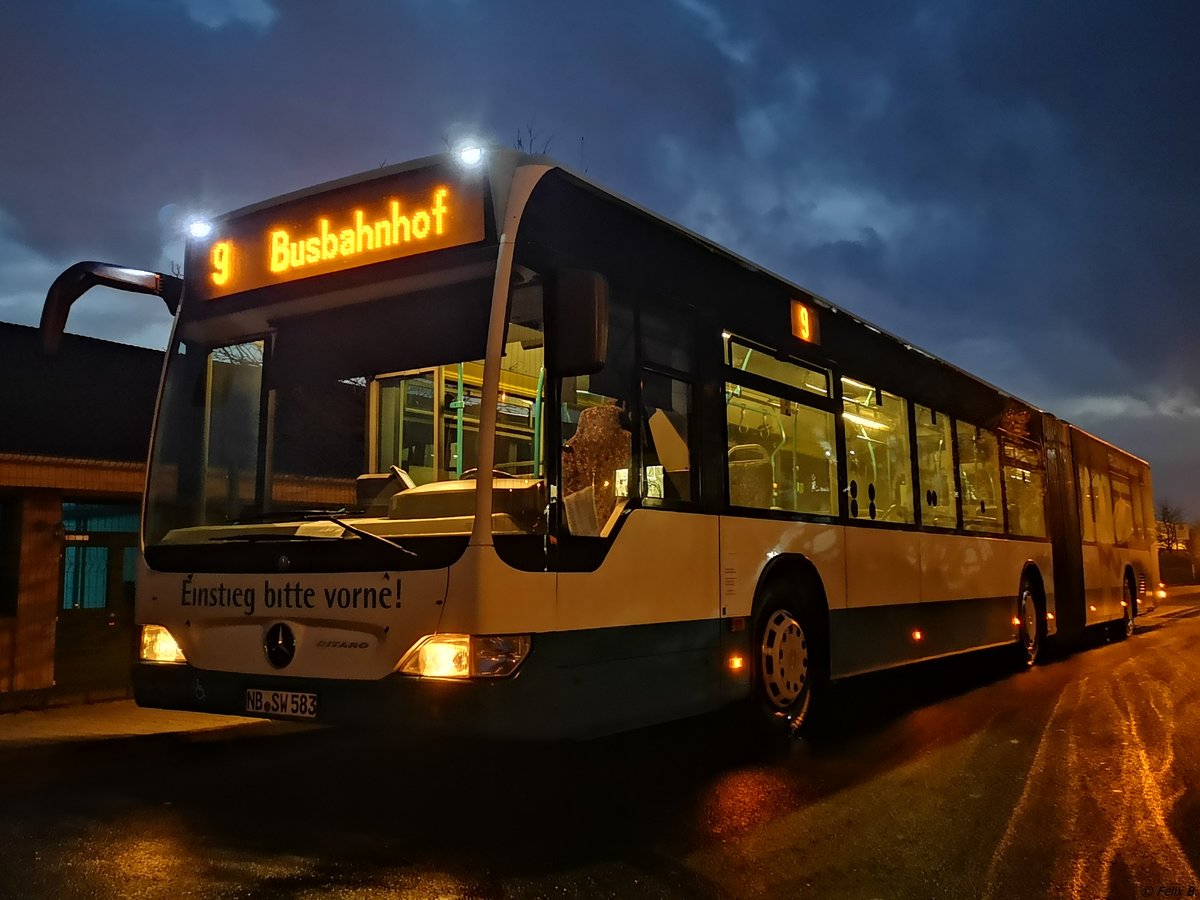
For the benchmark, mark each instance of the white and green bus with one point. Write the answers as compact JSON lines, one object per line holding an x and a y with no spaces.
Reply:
{"x":471,"y":444}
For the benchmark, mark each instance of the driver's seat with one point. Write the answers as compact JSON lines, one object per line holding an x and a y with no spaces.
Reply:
{"x":591,"y":460}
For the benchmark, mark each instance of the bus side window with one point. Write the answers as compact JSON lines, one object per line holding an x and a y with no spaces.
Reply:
{"x":935,"y":467}
{"x":1087,"y":515}
{"x":1123,"y":518}
{"x":666,"y":436}
{"x":979,"y":469}
{"x":1025,"y":490}
{"x":878,"y":461}
{"x":597,"y":441}
{"x":1102,"y":494}
{"x":1149,"y":525}
{"x":781,"y":453}
{"x":1138,"y":511}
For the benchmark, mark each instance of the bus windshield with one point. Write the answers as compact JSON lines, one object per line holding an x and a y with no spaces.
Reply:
{"x":366,"y":413}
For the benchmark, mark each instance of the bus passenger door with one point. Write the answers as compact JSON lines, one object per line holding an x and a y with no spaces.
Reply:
{"x":637,"y":559}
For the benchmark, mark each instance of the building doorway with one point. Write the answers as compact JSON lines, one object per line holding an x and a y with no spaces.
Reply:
{"x":94,"y":643}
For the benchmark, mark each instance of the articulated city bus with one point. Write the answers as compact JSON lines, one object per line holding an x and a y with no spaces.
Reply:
{"x":472,"y":444}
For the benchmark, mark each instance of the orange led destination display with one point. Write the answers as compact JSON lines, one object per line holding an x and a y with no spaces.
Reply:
{"x":380,"y":220}
{"x":805,"y":324}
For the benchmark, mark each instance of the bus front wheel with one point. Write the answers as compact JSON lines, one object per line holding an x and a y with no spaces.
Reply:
{"x":789,"y":662}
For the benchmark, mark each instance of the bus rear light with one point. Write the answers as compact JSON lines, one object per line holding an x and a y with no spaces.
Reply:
{"x":736,"y":662}
{"x":159,"y":646}
{"x":918,"y":636}
{"x":465,"y":655}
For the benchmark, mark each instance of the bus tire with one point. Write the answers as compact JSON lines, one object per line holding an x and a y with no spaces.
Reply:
{"x":790,"y":669}
{"x":1124,"y":628}
{"x":1032,"y":625}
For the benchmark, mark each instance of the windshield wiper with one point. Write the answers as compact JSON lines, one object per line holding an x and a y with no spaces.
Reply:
{"x":367,"y":535}
{"x":308,"y":515}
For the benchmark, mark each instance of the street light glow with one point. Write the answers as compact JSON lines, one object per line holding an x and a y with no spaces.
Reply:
{"x":470,"y":156}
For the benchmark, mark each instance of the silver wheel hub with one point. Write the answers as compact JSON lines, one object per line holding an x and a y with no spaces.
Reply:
{"x":784,"y":659}
{"x":1028,"y":619}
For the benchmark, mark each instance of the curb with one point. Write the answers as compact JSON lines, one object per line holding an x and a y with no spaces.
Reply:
{"x":50,"y":698}
{"x":30,"y":765}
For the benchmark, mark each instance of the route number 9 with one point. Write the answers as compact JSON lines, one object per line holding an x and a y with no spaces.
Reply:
{"x":804,"y":323}
{"x":222,"y":262}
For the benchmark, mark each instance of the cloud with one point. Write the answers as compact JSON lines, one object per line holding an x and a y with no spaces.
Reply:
{"x":717,"y":30}
{"x":1183,"y":403}
{"x":25,"y":276}
{"x":219,"y":13}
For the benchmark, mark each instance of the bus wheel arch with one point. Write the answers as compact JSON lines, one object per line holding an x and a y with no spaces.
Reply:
{"x":790,"y":647}
{"x":1031,"y":615}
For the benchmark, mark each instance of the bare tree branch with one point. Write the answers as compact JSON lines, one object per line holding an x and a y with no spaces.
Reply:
{"x":1170,"y":532}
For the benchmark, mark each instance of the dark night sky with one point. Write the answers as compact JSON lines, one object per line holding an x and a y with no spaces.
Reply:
{"x":1012,"y":186}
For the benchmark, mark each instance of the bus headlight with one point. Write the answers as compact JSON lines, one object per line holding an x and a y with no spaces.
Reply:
{"x":497,"y":655}
{"x":439,"y":656}
{"x":159,"y":646}
{"x":465,"y":655}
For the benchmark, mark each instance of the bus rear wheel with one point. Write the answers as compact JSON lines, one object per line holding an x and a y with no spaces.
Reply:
{"x":1124,"y":628}
{"x":1031,"y":626}
{"x":789,"y":663}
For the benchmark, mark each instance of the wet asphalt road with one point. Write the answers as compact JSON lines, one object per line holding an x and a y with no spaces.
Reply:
{"x":1080,"y":778}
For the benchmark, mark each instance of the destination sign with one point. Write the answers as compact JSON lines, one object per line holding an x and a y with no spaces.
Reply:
{"x":804,"y":323}
{"x":375,"y":221}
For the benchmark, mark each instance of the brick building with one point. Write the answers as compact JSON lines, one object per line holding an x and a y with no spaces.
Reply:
{"x":74,"y":430}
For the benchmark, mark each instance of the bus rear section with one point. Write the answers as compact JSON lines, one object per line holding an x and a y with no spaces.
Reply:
{"x":1101,"y":506}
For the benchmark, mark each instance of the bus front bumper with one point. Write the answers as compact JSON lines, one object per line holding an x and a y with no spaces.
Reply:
{"x":505,"y":709}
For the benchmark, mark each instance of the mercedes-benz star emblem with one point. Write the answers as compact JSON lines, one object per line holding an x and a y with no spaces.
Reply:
{"x":280,"y":645}
{"x":284,"y":564}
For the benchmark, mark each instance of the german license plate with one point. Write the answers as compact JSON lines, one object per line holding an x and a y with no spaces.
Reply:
{"x":294,"y":704}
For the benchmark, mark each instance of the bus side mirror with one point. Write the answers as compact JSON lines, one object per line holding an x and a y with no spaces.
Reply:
{"x":82,"y":277}
{"x":576,"y":322}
